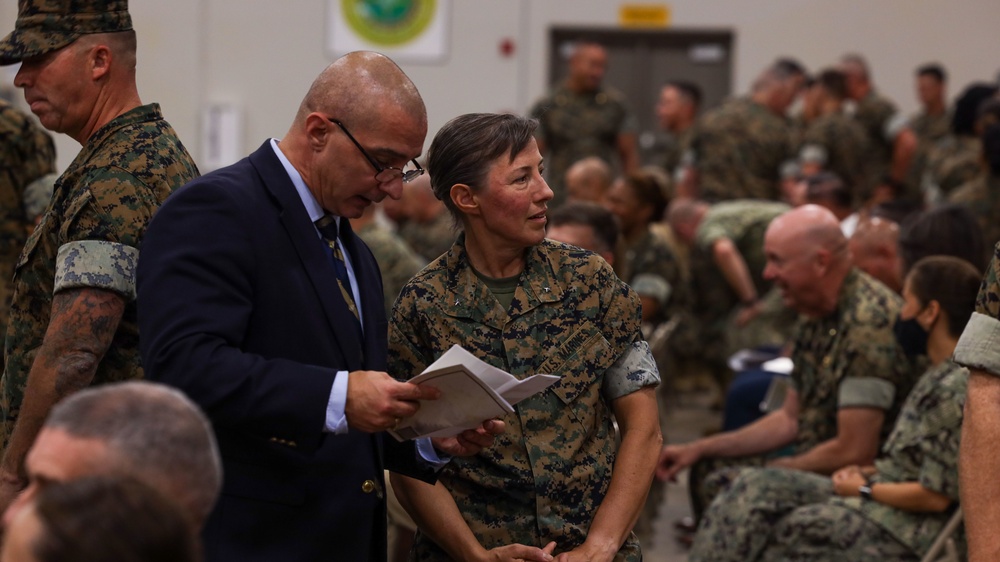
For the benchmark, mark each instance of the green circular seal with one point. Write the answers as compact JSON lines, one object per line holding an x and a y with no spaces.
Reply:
{"x":388,"y":22}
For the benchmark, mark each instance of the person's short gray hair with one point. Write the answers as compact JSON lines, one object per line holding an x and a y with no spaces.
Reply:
{"x":154,"y":433}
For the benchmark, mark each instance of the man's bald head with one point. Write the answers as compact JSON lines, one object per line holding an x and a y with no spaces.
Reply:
{"x":873,"y":248}
{"x":807,"y":258}
{"x":684,"y":215}
{"x":356,"y":87}
{"x":588,"y":180}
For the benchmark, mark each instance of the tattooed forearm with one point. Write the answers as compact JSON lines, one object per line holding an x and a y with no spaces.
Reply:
{"x":80,"y":331}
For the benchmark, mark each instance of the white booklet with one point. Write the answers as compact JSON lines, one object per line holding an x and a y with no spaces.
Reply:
{"x":472,"y":391}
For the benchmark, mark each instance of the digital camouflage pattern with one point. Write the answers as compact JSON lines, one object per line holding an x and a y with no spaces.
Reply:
{"x":981,"y":195}
{"x":431,"y":239}
{"x":672,"y":152}
{"x":97,"y":264}
{"x":771,"y":514}
{"x":777,"y":514}
{"x":43,"y":26}
{"x":853,"y":346}
{"x":846,"y":147}
{"x":109,"y":193}
{"x":545,"y":477}
{"x":396,"y":260}
{"x":26,"y":154}
{"x":953,"y":162}
{"x":875,"y":115}
{"x":977,"y":347}
{"x":849,"y":356}
{"x":651,"y":262}
{"x":738,"y":150}
{"x":574,"y":126}
{"x":931,"y":128}
{"x":988,"y":300}
{"x":744,"y":222}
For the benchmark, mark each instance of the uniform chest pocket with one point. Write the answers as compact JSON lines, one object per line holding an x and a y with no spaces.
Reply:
{"x":32,"y":243}
{"x":581,"y":362}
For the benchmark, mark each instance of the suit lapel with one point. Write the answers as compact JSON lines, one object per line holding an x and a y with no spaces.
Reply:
{"x":311,"y":252}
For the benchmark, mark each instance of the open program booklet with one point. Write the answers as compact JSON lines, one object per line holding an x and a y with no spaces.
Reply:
{"x":471,"y":392}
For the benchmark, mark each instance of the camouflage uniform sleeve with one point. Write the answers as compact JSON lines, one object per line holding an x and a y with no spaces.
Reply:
{"x":97,"y":264}
{"x":408,"y":356}
{"x":977,"y":348}
{"x":635,"y":368}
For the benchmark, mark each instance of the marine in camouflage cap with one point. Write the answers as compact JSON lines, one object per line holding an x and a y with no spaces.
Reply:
{"x":44,"y":26}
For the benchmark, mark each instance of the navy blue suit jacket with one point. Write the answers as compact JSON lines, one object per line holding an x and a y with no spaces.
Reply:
{"x":239,"y":308}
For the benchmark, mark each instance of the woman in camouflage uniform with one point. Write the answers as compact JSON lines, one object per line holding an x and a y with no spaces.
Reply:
{"x":894,"y":509}
{"x":553,"y":484}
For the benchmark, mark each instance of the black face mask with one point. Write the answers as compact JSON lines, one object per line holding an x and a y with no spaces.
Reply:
{"x":911,"y":337}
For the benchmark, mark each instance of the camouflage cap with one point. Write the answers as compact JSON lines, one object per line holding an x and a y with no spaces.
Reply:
{"x":46,"y":25}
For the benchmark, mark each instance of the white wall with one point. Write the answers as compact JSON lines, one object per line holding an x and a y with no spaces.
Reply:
{"x":262,"y":54}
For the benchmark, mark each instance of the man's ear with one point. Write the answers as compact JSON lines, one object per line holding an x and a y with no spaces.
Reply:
{"x":464,"y":199}
{"x":100,"y":57}
{"x":318,"y":130}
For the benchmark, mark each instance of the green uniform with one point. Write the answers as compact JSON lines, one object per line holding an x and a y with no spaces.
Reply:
{"x":738,"y":150}
{"x":650,"y":267}
{"x":776,"y":514}
{"x":977,"y":348}
{"x":744,"y":222}
{"x":847,"y":359}
{"x":841,"y":145}
{"x":931,"y":128}
{"x":26,"y":154}
{"x":675,"y":152}
{"x":545,"y":477}
{"x":951,"y":163}
{"x":431,"y":239}
{"x":574,"y":126}
{"x":982,"y":197}
{"x":396,"y":260}
{"x":881,"y":123}
{"x":89,"y":237}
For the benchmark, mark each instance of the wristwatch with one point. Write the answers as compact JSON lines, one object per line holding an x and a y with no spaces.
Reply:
{"x":865,"y":491}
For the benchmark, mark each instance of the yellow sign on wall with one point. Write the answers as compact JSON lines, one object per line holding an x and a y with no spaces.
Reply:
{"x":644,"y":15}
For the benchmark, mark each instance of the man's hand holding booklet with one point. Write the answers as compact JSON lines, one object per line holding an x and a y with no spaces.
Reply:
{"x":471,"y":391}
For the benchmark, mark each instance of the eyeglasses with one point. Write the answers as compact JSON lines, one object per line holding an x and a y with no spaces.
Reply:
{"x":383,"y":174}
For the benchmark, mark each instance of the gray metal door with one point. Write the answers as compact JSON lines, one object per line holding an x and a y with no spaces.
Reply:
{"x":641,"y":61}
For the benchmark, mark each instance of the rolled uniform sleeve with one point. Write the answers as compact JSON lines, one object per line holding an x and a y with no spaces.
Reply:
{"x":977,"y":349}
{"x":634,"y":370}
{"x":866,"y":392}
{"x":97,"y":264}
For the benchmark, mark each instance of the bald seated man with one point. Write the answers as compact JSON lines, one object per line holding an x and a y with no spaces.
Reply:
{"x":135,"y":429}
{"x":875,"y":250}
{"x":261,"y":303}
{"x":588,"y":180}
{"x":849,"y":376}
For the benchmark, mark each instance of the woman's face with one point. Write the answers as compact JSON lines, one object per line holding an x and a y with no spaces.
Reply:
{"x":20,"y":537}
{"x":514,"y":200}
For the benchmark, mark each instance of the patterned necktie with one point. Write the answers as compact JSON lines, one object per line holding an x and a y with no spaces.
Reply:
{"x":328,"y":228}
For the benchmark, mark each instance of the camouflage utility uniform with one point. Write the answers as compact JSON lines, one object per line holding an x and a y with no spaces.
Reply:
{"x":977,"y":348}
{"x":26,"y":154}
{"x":842,"y":145}
{"x":881,"y":123}
{"x":545,"y":477}
{"x":951,"y":163}
{"x":738,"y":150}
{"x":778,"y":514}
{"x":431,"y":239}
{"x":574,"y":126}
{"x":982,"y":197}
{"x":848,"y":359}
{"x":675,"y":153}
{"x":89,"y":237}
{"x":651,"y":269}
{"x":396,"y":260}
{"x":744,"y":222}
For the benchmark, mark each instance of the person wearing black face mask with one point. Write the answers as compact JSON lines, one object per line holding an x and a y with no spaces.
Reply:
{"x":912,"y":337}
{"x":894,"y":509}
